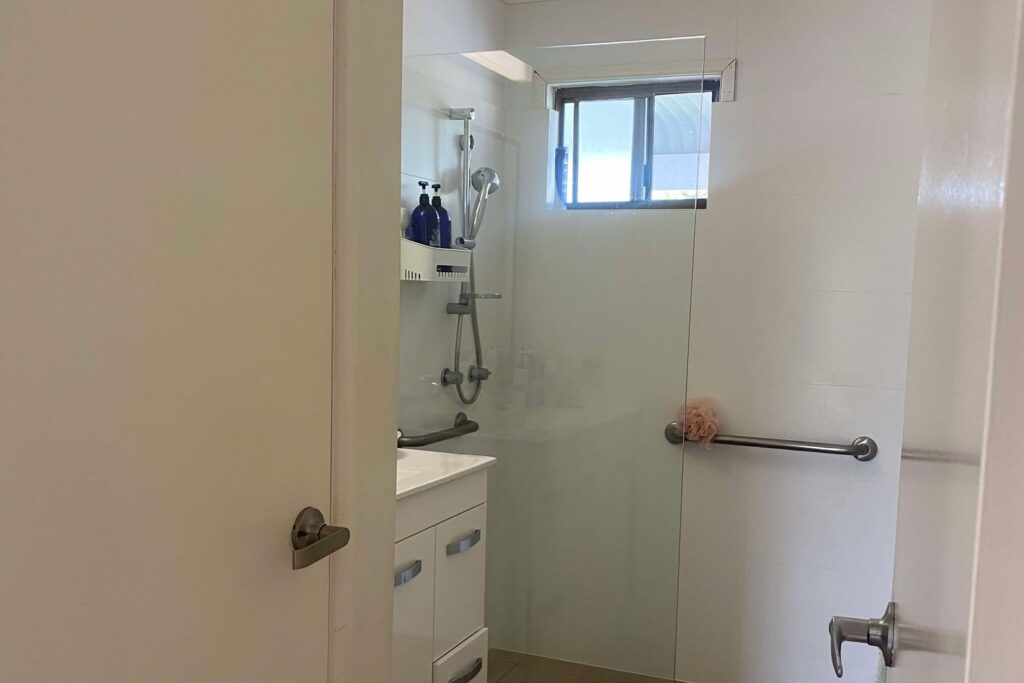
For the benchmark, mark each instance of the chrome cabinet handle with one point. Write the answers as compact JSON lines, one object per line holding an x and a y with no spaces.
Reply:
{"x":464,"y":543}
{"x":313,"y":539}
{"x":470,"y":673}
{"x":880,"y":633}
{"x":409,"y":573}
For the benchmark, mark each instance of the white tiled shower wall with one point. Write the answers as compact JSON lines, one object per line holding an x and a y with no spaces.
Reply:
{"x":432,"y":85}
{"x":800,"y":312}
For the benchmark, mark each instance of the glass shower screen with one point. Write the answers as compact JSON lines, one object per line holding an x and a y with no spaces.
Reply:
{"x":603,"y":160}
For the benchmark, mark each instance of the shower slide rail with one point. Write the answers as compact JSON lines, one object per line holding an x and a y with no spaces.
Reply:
{"x":863,"y":448}
{"x":463,"y":425}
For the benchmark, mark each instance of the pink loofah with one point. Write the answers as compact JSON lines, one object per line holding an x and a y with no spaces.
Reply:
{"x":698,"y":419}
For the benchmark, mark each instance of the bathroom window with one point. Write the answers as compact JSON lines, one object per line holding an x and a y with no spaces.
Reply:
{"x":634,"y":146}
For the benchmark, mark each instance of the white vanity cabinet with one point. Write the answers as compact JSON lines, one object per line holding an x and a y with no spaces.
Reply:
{"x":440,"y":551}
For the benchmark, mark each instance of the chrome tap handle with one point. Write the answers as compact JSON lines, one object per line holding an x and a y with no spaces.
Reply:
{"x":880,"y":633}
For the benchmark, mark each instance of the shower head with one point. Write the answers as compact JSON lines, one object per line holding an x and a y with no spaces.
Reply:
{"x":486,"y":177}
{"x":486,"y":182}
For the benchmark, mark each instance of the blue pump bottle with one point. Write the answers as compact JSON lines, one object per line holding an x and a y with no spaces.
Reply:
{"x":444,"y":221}
{"x":424,"y":219}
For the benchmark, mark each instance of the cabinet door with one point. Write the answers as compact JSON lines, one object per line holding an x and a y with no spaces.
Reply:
{"x":467,"y":663}
{"x":414,"y":608}
{"x":459,"y":585}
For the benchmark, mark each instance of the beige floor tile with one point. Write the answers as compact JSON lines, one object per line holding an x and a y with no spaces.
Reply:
{"x":622,"y":677}
{"x":513,"y":667}
{"x":504,"y":655}
{"x":497,"y":668}
{"x":543,"y":670}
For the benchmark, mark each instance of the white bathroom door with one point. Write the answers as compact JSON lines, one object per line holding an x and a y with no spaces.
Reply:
{"x":165,"y":339}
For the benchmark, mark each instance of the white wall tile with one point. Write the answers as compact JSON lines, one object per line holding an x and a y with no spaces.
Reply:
{"x":769,"y":146}
{"x":853,"y":243}
{"x":807,"y":48}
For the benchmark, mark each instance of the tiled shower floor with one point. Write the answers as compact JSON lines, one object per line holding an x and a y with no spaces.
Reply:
{"x":512,"y":667}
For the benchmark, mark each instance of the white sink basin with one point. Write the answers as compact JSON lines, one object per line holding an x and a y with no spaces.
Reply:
{"x":420,"y":470}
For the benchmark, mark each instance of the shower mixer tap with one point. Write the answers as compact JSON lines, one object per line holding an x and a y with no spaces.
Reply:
{"x":451,"y":377}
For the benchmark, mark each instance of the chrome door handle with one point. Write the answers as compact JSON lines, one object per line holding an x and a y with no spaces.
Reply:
{"x":313,"y":538}
{"x":880,"y":633}
{"x":409,"y":573}
{"x":464,"y":543}
{"x":470,"y":673}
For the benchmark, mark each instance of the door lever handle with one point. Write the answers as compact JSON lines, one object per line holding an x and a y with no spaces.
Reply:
{"x":313,"y":538}
{"x":880,"y":633}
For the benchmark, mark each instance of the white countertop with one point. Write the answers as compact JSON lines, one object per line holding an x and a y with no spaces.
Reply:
{"x":420,"y":470}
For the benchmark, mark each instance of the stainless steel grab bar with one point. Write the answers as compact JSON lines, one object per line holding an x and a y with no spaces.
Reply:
{"x":862,"y":448}
{"x":463,"y":425}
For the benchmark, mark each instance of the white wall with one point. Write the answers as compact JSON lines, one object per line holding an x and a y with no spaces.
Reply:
{"x":801,"y":312}
{"x":434,"y":27}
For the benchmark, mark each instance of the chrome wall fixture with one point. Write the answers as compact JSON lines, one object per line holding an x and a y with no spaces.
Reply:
{"x":485,"y":181}
{"x":880,"y":633}
{"x":463,"y":425}
{"x":862,"y":448}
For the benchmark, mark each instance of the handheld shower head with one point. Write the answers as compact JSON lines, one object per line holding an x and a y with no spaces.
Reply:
{"x":485,"y":177}
{"x":486,"y":182}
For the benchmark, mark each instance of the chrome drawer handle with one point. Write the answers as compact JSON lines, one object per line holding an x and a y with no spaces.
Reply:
{"x":464,"y":544}
{"x":409,"y":573}
{"x":470,"y":673}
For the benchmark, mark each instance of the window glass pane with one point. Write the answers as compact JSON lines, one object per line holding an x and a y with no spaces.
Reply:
{"x":567,"y":140}
{"x":606,"y":151}
{"x":682,"y":142}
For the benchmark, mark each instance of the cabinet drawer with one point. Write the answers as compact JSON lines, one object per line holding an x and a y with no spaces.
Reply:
{"x":414,"y":608}
{"x":467,"y":663}
{"x":460,"y":550}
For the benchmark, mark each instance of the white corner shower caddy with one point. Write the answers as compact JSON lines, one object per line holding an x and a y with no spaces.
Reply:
{"x":421,"y":263}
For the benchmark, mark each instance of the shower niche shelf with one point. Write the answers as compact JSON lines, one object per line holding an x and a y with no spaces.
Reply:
{"x":421,"y":263}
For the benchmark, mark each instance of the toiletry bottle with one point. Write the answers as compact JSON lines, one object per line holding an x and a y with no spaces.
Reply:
{"x":444,"y":220}
{"x":424,"y":218}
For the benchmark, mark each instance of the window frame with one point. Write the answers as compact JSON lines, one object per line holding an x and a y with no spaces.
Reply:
{"x":643,"y":95}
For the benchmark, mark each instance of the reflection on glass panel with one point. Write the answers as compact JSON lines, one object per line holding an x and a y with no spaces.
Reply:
{"x":682,"y":142}
{"x":605,"y":151}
